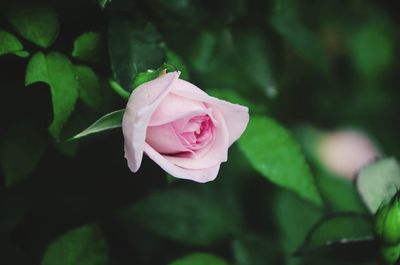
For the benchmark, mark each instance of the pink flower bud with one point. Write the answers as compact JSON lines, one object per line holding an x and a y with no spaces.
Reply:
{"x":184,"y":130}
{"x":346,"y":151}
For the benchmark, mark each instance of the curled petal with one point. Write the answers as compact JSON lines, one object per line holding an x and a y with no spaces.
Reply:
{"x":198,"y":175}
{"x":141,"y":106}
{"x":236,"y":116}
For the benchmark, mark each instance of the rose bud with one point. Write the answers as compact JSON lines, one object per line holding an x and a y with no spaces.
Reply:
{"x":387,"y":221}
{"x":181,"y":128}
{"x":345,"y":152}
{"x":391,"y":254}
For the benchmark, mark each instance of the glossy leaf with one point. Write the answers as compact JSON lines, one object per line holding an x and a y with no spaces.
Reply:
{"x":87,"y":47}
{"x":81,"y":246}
{"x":10,"y":44}
{"x":144,"y":77}
{"x":109,"y":121}
{"x":134,"y":47}
{"x":294,"y":218}
{"x":21,"y":151}
{"x":199,"y":259}
{"x":38,"y":24}
{"x":89,"y":86}
{"x":273,"y":152}
{"x":378,"y":182}
{"x":58,"y":72}
{"x":340,"y":228}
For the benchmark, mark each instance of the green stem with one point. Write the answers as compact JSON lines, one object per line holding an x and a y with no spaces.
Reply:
{"x":119,"y":90}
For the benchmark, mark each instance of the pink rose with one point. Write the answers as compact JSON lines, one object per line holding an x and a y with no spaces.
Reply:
{"x":346,"y":151}
{"x":181,"y":128}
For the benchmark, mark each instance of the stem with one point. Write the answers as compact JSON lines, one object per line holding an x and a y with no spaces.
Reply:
{"x":119,"y":90}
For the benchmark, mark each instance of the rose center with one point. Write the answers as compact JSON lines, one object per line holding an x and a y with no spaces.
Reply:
{"x":197,"y":132}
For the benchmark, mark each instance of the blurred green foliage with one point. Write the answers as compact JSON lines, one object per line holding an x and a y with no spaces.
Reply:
{"x":297,"y":66}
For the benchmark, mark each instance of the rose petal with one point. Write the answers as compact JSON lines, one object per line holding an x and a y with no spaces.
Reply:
{"x":215,"y":153}
{"x":201,"y":175}
{"x":141,"y":105}
{"x":173,"y":107}
{"x":236,"y":116}
{"x":164,"y":139}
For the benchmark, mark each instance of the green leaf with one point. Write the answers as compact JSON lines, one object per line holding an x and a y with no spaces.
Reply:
{"x":10,"y":44}
{"x":294,"y":218}
{"x":199,"y":259}
{"x":254,"y":250}
{"x":286,"y":23}
{"x":233,"y":97}
{"x":38,"y":24}
{"x":107,"y":122}
{"x":144,"y":77}
{"x":378,"y":182}
{"x":341,"y":228}
{"x":21,"y":151}
{"x":134,"y":47}
{"x":255,"y":60}
{"x":58,"y":72}
{"x":192,"y":216}
{"x":272,"y":151}
{"x":177,"y":62}
{"x":82,"y":246}
{"x":89,"y":86}
{"x":87,"y":47}
{"x":340,"y":194}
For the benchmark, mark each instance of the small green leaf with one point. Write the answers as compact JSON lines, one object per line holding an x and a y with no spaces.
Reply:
{"x":107,"y":122}
{"x":89,"y":86}
{"x":192,"y":216}
{"x":294,"y":218}
{"x":145,"y":77}
{"x":177,"y":62}
{"x":199,"y":259}
{"x":87,"y":47}
{"x":21,"y":151}
{"x":82,"y":246}
{"x":341,"y":228}
{"x":272,"y":151}
{"x":378,"y":182}
{"x":38,"y":24}
{"x":58,"y":72}
{"x":10,"y":44}
{"x":23,"y":54}
{"x":134,"y":47}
